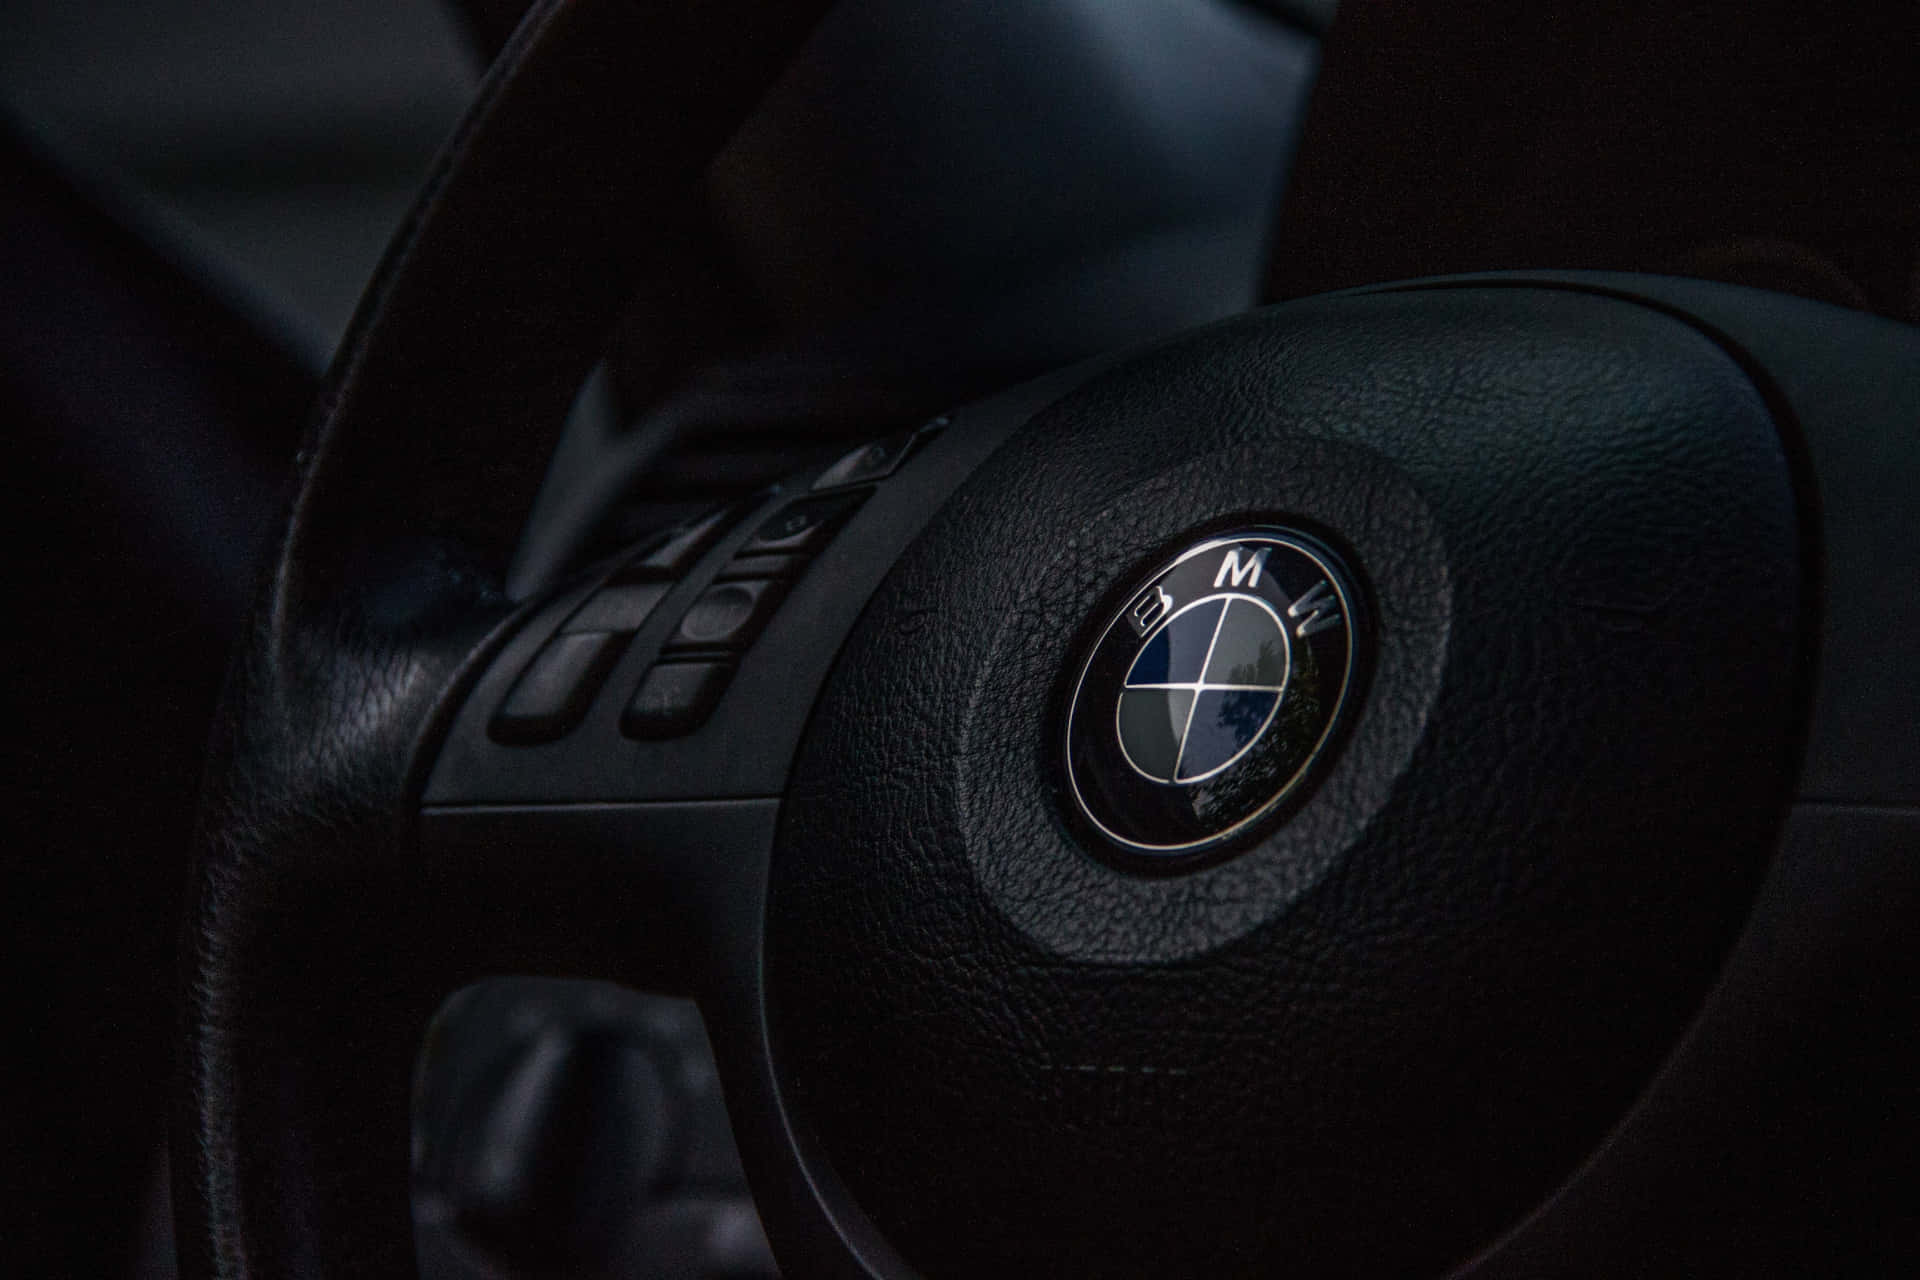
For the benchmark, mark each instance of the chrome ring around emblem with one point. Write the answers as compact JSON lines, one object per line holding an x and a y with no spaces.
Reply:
{"x":1226,"y":674}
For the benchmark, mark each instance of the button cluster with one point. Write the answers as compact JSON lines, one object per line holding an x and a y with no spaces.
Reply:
{"x":697,"y":659}
{"x":681,"y":689}
{"x":558,"y":686}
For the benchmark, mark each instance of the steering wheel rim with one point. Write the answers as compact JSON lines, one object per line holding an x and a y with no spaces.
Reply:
{"x":523,"y":243}
{"x":382,"y":643}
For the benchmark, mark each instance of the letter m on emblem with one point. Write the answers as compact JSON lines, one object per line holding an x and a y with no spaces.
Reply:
{"x":1241,"y":572}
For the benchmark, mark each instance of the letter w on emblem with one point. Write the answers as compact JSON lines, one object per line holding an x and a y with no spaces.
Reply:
{"x":1315,"y":609}
{"x":1238,"y":572}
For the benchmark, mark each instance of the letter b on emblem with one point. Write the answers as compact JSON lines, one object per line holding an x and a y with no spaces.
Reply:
{"x":1149,"y":609}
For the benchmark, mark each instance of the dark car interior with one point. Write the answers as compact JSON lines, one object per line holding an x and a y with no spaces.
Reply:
{"x":557,"y":540}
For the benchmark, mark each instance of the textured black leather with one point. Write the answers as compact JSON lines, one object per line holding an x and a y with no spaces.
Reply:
{"x":313,"y":955}
{"x":311,"y":965}
{"x":1381,"y":1035}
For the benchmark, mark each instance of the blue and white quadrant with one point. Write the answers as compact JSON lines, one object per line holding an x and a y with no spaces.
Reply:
{"x":1203,"y":688}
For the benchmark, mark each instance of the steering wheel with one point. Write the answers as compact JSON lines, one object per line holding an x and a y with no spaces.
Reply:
{"x":1275,"y":798}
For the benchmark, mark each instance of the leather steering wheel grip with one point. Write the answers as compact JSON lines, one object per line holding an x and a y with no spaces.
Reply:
{"x":311,"y":955}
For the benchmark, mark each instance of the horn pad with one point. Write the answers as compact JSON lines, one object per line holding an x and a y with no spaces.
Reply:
{"x":1376,"y":1028}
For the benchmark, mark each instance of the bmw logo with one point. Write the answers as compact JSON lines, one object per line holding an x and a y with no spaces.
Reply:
{"x":1212,"y":693}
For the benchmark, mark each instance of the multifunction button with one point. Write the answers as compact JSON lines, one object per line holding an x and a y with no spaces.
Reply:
{"x":674,"y":698}
{"x":557,"y":687}
{"x":877,"y":459}
{"x":675,"y":555}
{"x":726,"y":616}
{"x":760,"y":567}
{"x":802,"y":526}
{"x":622,"y":606}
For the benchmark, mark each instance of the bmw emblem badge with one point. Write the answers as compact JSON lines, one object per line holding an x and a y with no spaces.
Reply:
{"x":1209,"y":698}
